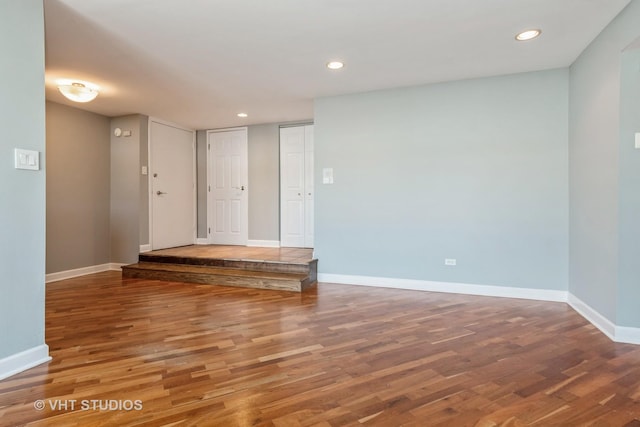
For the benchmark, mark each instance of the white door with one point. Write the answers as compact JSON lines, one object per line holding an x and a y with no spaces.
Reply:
{"x":172,"y":186}
{"x":228,"y":204}
{"x":296,"y":186}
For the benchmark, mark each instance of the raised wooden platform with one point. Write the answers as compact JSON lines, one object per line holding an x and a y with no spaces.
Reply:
{"x":285,"y":269}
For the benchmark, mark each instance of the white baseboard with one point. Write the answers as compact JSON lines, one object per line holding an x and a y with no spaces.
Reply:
{"x":24,"y":360}
{"x":68,"y":274}
{"x":621,"y":334}
{"x":447,"y":287}
{"x":264,"y":243}
{"x":116,"y":266}
{"x":202,"y":241}
{"x":627,"y":335}
{"x":616,"y":333}
{"x":145,"y":248}
{"x":596,"y":319}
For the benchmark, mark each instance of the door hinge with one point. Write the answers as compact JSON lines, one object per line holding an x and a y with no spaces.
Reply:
{"x":209,"y":188}
{"x":208,"y":146}
{"x":209,"y":230}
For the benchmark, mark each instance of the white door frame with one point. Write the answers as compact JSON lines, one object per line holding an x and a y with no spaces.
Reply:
{"x":210,"y":212}
{"x":149,"y":169}
{"x":306,"y":239}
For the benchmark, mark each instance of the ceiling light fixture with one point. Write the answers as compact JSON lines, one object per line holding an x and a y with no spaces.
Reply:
{"x":335,"y":65}
{"x":243,"y":115}
{"x":78,"y":91}
{"x":528,"y":35}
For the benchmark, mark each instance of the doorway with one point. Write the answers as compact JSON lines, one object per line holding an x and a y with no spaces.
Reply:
{"x":296,"y":186}
{"x":227,"y":186}
{"x":172,"y":185}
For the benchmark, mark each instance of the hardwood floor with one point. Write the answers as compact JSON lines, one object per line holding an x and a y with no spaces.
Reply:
{"x":238,"y":252}
{"x":130,"y":352}
{"x":285,"y":269}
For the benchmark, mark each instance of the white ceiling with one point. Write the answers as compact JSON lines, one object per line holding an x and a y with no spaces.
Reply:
{"x":199,"y":62}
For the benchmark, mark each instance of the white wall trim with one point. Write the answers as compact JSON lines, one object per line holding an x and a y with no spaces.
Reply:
{"x":24,"y":360}
{"x":596,"y":319}
{"x":68,"y":274}
{"x":116,"y":266}
{"x":145,"y":248}
{"x":621,"y":334}
{"x":202,"y":241}
{"x":264,"y":243}
{"x":455,"y":288}
{"x":627,"y":335}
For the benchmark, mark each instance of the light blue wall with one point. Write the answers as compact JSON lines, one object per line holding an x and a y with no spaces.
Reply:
{"x":22,"y":193}
{"x":474,"y":170}
{"x":594,"y":171}
{"x":628,"y":313}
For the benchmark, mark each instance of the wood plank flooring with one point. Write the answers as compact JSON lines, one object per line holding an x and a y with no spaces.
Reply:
{"x":288,"y":255}
{"x":285,"y":269}
{"x":200,"y":355}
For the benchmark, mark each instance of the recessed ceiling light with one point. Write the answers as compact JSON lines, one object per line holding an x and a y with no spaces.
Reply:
{"x":243,"y":115}
{"x":528,"y":35}
{"x":335,"y":65}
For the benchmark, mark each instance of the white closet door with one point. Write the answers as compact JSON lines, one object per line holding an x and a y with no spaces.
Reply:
{"x":296,"y":186}
{"x":228,"y":192}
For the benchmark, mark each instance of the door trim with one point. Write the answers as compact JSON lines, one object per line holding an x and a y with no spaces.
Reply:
{"x":210,"y":211}
{"x":194,"y":178}
{"x":308,"y":196}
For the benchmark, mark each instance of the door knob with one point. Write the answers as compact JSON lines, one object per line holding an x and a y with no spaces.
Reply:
{"x":160,"y":193}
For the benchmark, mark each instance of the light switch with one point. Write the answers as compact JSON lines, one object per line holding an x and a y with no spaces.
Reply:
{"x":637,"y":139}
{"x":144,"y":170}
{"x":27,"y":159}
{"x":327,"y":176}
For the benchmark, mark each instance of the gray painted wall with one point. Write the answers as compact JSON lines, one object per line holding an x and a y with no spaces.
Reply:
{"x":628,"y":312}
{"x":474,"y":170}
{"x":126,"y":189}
{"x":78,"y":187}
{"x":144,"y":181}
{"x":264,"y":182}
{"x":201,"y":177}
{"x":594,"y":153}
{"x":22,"y":193}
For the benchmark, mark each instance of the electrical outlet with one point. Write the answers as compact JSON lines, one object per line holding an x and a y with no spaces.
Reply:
{"x":450,"y":261}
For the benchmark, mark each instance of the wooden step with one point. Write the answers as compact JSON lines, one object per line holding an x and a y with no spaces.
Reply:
{"x":309,"y":268}
{"x":227,"y":276}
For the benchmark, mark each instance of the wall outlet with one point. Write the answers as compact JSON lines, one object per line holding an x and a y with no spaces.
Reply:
{"x":450,"y":261}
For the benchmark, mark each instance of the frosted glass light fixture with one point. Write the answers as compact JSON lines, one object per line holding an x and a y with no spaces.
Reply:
{"x":528,"y":35}
{"x":78,"y":91}
{"x":335,"y":65}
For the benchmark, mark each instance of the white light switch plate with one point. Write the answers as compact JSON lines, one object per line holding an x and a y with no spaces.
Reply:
{"x":327,"y":176}
{"x":27,"y":159}
{"x":637,"y":139}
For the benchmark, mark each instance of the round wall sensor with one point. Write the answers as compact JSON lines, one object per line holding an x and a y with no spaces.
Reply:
{"x":117,"y":131}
